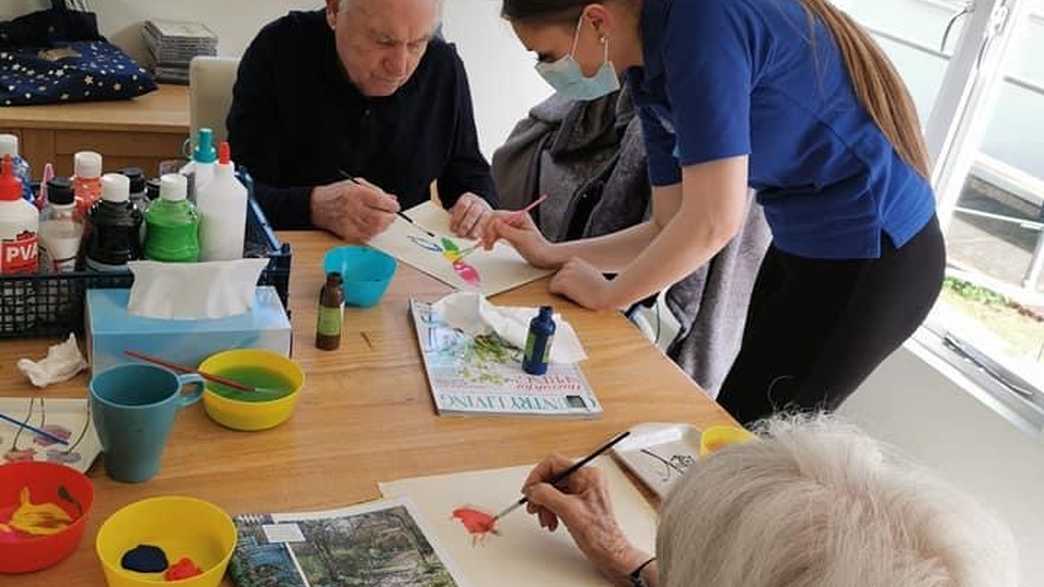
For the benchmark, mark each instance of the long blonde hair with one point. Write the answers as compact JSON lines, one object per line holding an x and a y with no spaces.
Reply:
{"x":877,"y":84}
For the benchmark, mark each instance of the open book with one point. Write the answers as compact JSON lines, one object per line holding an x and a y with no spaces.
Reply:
{"x":482,"y":375}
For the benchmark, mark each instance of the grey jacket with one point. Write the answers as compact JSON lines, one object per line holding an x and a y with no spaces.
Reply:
{"x":590,"y":156}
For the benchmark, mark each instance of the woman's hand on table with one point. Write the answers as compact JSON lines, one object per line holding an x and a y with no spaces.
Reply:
{"x":585,"y":285}
{"x":582,"y":503}
{"x":522,"y":232}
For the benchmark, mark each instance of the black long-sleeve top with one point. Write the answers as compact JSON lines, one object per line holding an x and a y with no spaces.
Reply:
{"x":297,"y":121}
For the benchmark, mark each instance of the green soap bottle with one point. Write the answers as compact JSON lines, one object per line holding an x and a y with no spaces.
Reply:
{"x":172,"y":224}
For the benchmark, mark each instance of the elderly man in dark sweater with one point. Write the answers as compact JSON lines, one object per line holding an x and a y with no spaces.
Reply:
{"x":362,"y":90}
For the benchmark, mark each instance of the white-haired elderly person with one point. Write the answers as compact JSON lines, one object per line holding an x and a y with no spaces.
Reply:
{"x":361,"y":89}
{"x":812,"y":503}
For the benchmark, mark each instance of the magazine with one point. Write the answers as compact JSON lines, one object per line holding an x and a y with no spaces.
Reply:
{"x":482,"y":375}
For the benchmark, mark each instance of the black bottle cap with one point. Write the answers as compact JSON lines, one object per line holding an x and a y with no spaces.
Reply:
{"x":152,"y":188}
{"x":60,"y":191}
{"x":136,"y":177}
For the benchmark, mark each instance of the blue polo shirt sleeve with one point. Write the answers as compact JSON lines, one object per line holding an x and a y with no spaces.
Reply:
{"x":660,"y":147}
{"x":708,"y":56}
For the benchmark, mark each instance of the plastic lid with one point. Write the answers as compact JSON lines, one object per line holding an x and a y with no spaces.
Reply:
{"x":115,"y":188}
{"x":60,"y":191}
{"x":9,"y":145}
{"x":204,"y":151}
{"x":225,"y":153}
{"x":173,"y":187}
{"x":10,"y":185}
{"x":87,"y":164}
{"x":136,"y":177}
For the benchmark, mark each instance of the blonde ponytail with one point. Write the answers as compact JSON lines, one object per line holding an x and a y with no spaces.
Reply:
{"x":877,"y":84}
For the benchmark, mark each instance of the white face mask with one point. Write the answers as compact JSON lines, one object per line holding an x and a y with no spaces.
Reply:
{"x":566,"y":77}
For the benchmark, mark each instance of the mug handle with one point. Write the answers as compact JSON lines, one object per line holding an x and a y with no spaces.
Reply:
{"x":186,"y":400}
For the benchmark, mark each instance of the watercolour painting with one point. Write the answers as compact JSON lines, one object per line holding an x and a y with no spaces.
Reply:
{"x":68,"y":419}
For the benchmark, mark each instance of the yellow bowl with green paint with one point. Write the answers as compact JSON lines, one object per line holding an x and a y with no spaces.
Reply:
{"x":716,"y":438}
{"x":183,"y":527}
{"x":252,"y":411}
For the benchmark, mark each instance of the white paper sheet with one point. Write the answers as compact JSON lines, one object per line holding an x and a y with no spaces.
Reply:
{"x":499,"y":270}
{"x":523,"y":554}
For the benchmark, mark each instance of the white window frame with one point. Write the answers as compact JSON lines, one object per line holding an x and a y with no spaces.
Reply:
{"x":955,"y":130}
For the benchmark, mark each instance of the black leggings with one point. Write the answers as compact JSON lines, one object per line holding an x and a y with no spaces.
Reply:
{"x":817,"y":328}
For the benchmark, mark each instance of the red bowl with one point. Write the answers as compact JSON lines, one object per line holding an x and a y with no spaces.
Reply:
{"x":25,"y":555}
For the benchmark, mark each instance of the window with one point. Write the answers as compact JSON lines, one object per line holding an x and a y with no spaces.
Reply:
{"x":975,"y":71}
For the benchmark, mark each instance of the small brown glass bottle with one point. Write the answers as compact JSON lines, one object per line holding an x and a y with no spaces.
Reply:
{"x":331,"y":314}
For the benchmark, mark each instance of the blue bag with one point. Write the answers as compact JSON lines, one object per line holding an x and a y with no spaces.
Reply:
{"x":58,"y":55}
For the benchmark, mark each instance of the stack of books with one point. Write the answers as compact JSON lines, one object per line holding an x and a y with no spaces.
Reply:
{"x":173,"y":45}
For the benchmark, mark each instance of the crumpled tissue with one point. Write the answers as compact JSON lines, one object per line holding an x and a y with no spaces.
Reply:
{"x":193,"y":291}
{"x":472,"y":314}
{"x":62,"y":363}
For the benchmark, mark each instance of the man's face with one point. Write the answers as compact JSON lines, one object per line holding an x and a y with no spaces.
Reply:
{"x":381,"y":42}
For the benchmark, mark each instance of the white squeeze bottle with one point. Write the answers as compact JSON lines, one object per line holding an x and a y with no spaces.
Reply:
{"x":19,"y":225}
{"x":201,"y":169}
{"x":222,"y":204}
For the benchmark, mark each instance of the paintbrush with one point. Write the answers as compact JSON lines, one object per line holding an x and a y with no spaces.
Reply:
{"x":208,"y":376}
{"x":400,"y":213}
{"x":514,"y":214}
{"x":35,"y":430}
{"x":565,"y":474}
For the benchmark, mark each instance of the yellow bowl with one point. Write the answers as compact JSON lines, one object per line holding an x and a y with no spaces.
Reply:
{"x":716,"y":438}
{"x":181,"y":526}
{"x":251,"y":416}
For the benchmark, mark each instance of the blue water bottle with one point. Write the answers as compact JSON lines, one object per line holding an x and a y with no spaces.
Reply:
{"x":538,"y":344}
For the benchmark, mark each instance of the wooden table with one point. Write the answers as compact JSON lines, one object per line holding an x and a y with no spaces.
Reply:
{"x":129,"y":133}
{"x":366,"y":414}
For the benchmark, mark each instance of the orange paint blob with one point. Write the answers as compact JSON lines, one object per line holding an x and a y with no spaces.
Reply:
{"x":479,"y":524}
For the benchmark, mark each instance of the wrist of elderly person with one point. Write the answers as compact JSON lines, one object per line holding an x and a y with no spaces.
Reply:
{"x":627,"y":562}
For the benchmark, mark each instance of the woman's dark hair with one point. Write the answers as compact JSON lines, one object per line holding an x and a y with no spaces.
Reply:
{"x":550,"y":11}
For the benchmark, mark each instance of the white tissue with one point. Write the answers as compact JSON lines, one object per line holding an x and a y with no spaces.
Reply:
{"x":62,"y":363}
{"x":472,"y":314}
{"x":193,"y":291}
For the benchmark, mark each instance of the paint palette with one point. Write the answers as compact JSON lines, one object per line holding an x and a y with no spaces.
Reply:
{"x":69,"y":419}
{"x":659,"y":454}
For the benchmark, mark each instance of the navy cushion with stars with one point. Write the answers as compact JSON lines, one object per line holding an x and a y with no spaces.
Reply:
{"x":83,"y":71}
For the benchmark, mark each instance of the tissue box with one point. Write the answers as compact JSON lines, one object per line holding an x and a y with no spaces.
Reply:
{"x":111,"y":330}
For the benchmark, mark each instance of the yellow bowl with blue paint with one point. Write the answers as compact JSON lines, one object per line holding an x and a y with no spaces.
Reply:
{"x":716,"y":438}
{"x":365,"y":272}
{"x":181,"y":527}
{"x":252,"y":411}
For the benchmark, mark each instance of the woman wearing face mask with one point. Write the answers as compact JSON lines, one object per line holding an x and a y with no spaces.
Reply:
{"x":789,"y":97}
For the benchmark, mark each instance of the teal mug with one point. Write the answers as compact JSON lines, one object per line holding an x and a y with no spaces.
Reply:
{"x":133,"y":408}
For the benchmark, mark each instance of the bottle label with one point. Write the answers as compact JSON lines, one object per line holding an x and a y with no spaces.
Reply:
{"x":19,"y":255}
{"x":330,"y":321}
{"x":547,"y":348}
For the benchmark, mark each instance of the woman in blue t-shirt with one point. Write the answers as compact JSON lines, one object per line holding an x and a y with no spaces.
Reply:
{"x":793,"y":99}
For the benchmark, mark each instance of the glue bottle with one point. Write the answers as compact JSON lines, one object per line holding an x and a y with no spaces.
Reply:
{"x":538,"y":343}
{"x":19,"y":225}
{"x":9,"y":146}
{"x":19,"y":228}
{"x":115,"y":234}
{"x":331,"y":314}
{"x":222,"y":206}
{"x":172,"y":233}
{"x":87,"y":170}
{"x":200,"y":171}
{"x":61,"y":228}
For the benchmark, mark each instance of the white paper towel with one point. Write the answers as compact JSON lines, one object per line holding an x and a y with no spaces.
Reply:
{"x":62,"y":363}
{"x":193,"y":291}
{"x":472,"y":314}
